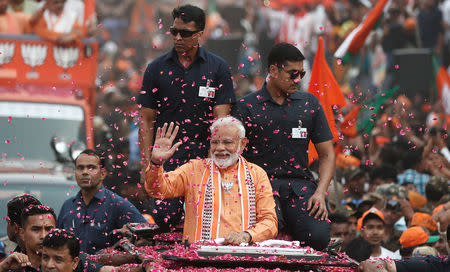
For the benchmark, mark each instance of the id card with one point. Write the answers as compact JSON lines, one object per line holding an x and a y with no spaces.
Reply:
{"x":299,"y":133}
{"x":208,"y":92}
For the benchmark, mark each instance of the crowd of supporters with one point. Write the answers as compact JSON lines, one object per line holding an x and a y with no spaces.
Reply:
{"x":406,"y":151}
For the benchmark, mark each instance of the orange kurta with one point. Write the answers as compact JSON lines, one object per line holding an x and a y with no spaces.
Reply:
{"x":185,"y":181}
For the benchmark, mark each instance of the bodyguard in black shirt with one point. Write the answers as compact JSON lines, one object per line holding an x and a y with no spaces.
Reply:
{"x":188,"y":86}
{"x":280,"y":121}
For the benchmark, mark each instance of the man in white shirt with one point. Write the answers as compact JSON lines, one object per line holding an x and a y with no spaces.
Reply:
{"x":371,"y":226}
{"x":76,"y":6}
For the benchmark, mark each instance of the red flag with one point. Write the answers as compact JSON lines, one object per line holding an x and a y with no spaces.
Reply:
{"x":325,"y":87}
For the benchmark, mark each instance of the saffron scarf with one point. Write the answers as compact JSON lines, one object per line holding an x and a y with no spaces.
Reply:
{"x":210,"y":200}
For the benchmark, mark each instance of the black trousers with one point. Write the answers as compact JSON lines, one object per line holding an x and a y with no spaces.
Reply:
{"x":291,"y":199}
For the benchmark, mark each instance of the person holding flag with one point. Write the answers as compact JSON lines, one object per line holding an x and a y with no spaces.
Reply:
{"x":280,"y":121}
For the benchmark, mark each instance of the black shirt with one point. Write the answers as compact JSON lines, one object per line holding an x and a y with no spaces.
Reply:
{"x":269,"y":128}
{"x":424,"y":264}
{"x":173,"y":91}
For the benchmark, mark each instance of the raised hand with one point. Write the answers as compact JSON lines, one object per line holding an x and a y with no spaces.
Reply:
{"x":162,"y":146}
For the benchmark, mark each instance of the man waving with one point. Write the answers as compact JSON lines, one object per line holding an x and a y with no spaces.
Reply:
{"x":226,"y":196}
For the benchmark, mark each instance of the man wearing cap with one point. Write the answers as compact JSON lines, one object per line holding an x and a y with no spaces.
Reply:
{"x":392,"y":200}
{"x":371,"y":226}
{"x":415,"y":237}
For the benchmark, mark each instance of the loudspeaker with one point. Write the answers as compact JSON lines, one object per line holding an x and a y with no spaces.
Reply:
{"x":414,"y":73}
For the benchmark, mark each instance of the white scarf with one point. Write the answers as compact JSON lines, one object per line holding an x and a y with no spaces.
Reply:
{"x":60,"y":24}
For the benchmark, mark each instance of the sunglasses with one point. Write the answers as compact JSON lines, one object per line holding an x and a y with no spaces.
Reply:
{"x":294,"y":74}
{"x":184,"y":33}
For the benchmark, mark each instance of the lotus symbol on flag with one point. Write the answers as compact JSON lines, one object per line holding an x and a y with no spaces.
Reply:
{"x":6,"y":52}
{"x":65,"y":57}
{"x":33,"y":55}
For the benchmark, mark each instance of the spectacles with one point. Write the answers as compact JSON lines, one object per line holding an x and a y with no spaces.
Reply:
{"x":294,"y":74}
{"x":184,"y":33}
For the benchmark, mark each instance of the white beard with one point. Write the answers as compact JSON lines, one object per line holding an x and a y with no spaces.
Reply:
{"x":225,"y":163}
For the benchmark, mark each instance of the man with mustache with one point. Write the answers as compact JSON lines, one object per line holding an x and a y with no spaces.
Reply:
{"x":189,"y":86}
{"x":95,"y":211}
{"x":226,"y":196}
{"x":281,"y":121}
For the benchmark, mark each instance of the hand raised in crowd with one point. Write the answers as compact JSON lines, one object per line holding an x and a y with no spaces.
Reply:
{"x":237,"y":238}
{"x":14,"y":261}
{"x":162,"y":147}
{"x":317,"y":206}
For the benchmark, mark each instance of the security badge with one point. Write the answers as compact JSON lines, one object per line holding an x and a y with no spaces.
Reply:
{"x":207,"y":92}
{"x":299,"y":132}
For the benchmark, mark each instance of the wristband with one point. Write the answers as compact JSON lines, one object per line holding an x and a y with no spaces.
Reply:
{"x":154,"y":163}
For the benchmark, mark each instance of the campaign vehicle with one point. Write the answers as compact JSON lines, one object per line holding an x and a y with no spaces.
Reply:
{"x":47,"y":98}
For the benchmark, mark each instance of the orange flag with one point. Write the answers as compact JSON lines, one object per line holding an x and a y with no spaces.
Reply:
{"x":89,"y":12}
{"x":348,"y":126}
{"x":325,"y":87}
